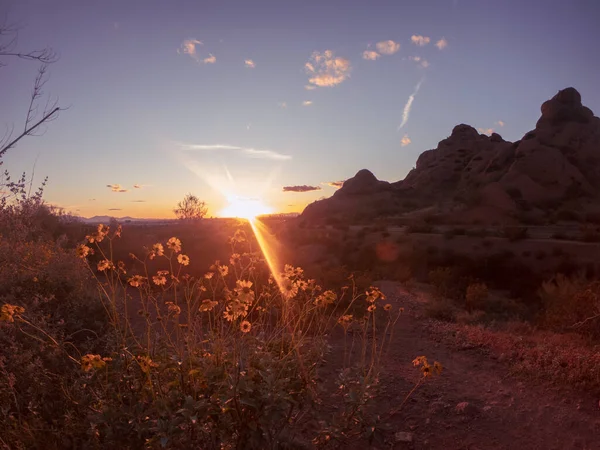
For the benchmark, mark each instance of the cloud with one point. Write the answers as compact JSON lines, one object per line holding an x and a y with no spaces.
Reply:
{"x":307,"y":103}
{"x":189,"y":47}
{"x":138,"y":201}
{"x":116,"y":188}
{"x":309,"y":87}
{"x":408,"y":106}
{"x":500,"y":123}
{"x":137,"y":186}
{"x":282,"y":104}
{"x":115,"y":209}
{"x":387,"y":47}
{"x":326,"y":70}
{"x":251,"y":152}
{"x":405,"y":140}
{"x":421,"y":62}
{"x":420,"y":40}
{"x":370,"y":55}
{"x":91,"y":199}
{"x":303,"y":188}
{"x":250,"y":64}
{"x":441,"y":44}
{"x":211,"y":59}
{"x":487,"y":131}
{"x":334,"y":184}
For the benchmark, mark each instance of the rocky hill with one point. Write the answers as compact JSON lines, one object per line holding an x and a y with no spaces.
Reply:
{"x":553,"y":172}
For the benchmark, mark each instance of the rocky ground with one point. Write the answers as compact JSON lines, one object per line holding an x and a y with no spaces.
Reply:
{"x":476,"y":403}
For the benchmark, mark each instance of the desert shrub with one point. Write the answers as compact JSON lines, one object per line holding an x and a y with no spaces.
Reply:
{"x":476,"y":295}
{"x":441,"y":308}
{"x":448,"y":282}
{"x":571,"y":304}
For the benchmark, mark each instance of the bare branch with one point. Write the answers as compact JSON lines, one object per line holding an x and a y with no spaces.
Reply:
{"x":29,"y":131}
{"x":40,"y":81}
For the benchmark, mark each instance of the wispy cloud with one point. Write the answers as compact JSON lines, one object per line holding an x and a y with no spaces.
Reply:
{"x":334,"y":184}
{"x":307,"y":103}
{"x":387,"y":47}
{"x":137,"y":186}
{"x":408,"y":106}
{"x":405,"y":140}
{"x":370,"y":55}
{"x":441,"y":44}
{"x":91,"y":199}
{"x":251,"y":152}
{"x":114,"y":209}
{"x":500,"y":123}
{"x":116,"y":188}
{"x":188,"y":47}
{"x":325,"y":69}
{"x":138,"y":201}
{"x":303,"y":188}
{"x":211,"y":59}
{"x":310,"y":87}
{"x":250,"y":64}
{"x":421,"y":62}
{"x":487,"y":131}
{"x":420,"y":40}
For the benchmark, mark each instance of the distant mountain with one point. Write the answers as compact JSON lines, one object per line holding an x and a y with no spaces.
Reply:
{"x":106,"y":219}
{"x":553,"y":171}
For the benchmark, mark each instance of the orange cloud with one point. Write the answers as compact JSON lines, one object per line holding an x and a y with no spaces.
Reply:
{"x":441,"y":44}
{"x":420,"y":40}
{"x":370,"y":55}
{"x":307,"y":103}
{"x":387,"y":47}
{"x":250,"y":64}
{"x":501,"y":123}
{"x":335,"y":184}
{"x":211,"y":59}
{"x":326,"y":70}
{"x":487,"y":131}
{"x":405,"y":140}
{"x":116,"y":188}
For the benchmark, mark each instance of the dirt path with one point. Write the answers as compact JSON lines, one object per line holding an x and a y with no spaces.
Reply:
{"x":503,"y":412}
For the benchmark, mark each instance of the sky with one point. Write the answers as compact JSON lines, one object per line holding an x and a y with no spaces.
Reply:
{"x":270,"y":101}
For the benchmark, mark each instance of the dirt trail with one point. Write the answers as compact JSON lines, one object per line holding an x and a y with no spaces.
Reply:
{"x":503,"y":411}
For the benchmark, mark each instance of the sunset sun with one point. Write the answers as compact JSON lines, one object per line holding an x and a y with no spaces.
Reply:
{"x":245,"y":208}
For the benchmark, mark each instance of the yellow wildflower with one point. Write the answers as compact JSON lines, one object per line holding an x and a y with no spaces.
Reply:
{"x":207,"y":305}
{"x":245,"y":326}
{"x":184,"y":260}
{"x":174,"y":244}
{"x":146,"y":364}
{"x":173,"y":308}
{"x":105,"y":264}
{"x":234,"y":259}
{"x":223,"y":270}
{"x":136,"y":280}
{"x":83,"y":250}
{"x":8,"y":312}
{"x":121,"y":266}
{"x":387,"y":307}
{"x":160,"y":279}
{"x":208,"y":275}
{"x":158,"y":249}
{"x":371,"y":308}
{"x":89,"y":362}
{"x":289,"y":289}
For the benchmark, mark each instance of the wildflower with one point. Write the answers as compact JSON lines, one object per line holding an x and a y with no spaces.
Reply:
{"x":136,"y":280}
{"x":105,"y":264}
{"x":118,"y":231}
{"x":289,"y":289}
{"x":83,"y":250}
{"x":103,"y":229}
{"x":345,"y":320}
{"x":184,"y":260}
{"x":387,"y":307}
{"x":371,"y":308}
{"x":146,"y":364}
{"x":234,"y":310}
{"x":302,"y":285}
{"x":158,"y":249}
{"x":208,"y":275}
{"x":437,"y":368}
{"x":319,"y":301}
{"x":223,"y":270}
{"x":373,"y":294}
{"x":244,"y":291}
{"x":174,"y":244}
{"x":160,"y":279}
{"x":207,"y":305}
{"x":401,"y":310}
{"x":234,"y":259}
{"x":121,"y":266}
{"x":8,"y":312}
{"x":419,"y":360}
{"x":426,"y":370}
{"x":245,"y":326}
{"x":89,"y":362}
{"x":173,"y":308}
{"x":239,"y":236}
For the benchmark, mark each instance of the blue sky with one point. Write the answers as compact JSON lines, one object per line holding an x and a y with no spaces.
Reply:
{"x":150,"y":106}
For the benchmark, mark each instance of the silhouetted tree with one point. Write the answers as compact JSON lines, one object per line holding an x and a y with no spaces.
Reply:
{"x":191,"y":208}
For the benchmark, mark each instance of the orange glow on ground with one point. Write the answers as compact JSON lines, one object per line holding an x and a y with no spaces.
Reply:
{"x":269,"y":246}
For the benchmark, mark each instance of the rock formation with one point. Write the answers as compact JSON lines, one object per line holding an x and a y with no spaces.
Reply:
{"x":554,"y":167}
